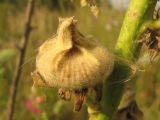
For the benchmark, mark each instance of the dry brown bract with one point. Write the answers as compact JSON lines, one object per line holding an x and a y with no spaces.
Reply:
{"x":151,"y":39}
{"x":72,"y":62}
{"x":92,"y":5}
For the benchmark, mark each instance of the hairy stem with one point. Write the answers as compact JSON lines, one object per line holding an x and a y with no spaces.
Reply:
{"x":127,"y":47}
{"x":138,"y":13}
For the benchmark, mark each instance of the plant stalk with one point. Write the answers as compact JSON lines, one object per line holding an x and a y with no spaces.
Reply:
{"x":22,"y":50}
{"x":127,"y":48}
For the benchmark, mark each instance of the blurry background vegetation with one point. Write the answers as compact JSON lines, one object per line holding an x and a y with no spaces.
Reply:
{"x":43,"y":103}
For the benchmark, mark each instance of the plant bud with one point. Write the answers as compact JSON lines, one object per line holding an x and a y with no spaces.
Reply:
{"x":71,"y":60}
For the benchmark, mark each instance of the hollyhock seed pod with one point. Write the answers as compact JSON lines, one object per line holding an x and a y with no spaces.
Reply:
{"x":71,"y":61}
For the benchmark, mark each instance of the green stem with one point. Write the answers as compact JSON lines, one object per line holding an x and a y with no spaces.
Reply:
{"x":138,"y":13}
{"x":95,"y":113}
{"x":154,"y":25}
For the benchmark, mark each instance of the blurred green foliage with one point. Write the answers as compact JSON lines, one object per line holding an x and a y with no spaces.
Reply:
{"x":45,"y":21}
{"x":5,"y":75}
{"x":6,"y":55}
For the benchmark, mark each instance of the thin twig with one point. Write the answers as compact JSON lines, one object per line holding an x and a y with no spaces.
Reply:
{"x":22,"y":50}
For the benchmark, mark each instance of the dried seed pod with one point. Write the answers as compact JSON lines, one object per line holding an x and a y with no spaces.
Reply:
{"x":73,"y":63}
{"x":70,"y":60}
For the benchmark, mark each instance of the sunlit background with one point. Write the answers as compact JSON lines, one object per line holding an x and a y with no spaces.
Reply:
{"x":43,"y":103}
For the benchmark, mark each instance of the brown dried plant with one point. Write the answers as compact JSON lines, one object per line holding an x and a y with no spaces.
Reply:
{"x":151,"y":39}
{"x":92,"y":5}
{"x":73,"y":63}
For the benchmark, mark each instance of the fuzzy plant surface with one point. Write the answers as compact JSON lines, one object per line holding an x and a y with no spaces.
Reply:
{"x":127,"y":49}
{"x":72,"y":63}
{"x":138,"y":18}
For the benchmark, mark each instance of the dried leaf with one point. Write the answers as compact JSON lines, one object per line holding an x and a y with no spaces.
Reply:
{"x":80,"y":96}
{"x":128,"y":109}
{"x":64,"y":94}
{"x":37,"y":80}
{"x":151,"y":39}
{"x":92,"y":5}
